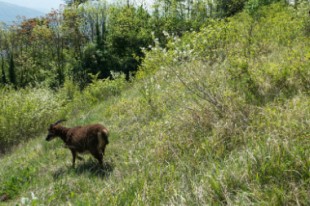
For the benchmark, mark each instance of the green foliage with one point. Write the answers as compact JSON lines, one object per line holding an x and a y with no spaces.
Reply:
{"x":252,"y":6}
{"x":77,"y":2}
{"x":228,"y":8}
{"x":249,"y":106}
{"x":12,"y":74}
{"x":18,"y":181}
{"x":130,"y":32}
{"x":3,"y":75}
{"x":150,"y":62}
{"x":219,"y":116}
{"x":25,"y":114}
{"x":303,"y":10}
{"x":102,"y":90}
{"x":90,"y":37}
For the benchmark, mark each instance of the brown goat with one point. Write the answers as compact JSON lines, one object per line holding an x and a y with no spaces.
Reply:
{"x":92,"y":138}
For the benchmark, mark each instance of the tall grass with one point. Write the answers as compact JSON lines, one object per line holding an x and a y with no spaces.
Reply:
{"x":229,"y":128}
{"x":25,"y":113}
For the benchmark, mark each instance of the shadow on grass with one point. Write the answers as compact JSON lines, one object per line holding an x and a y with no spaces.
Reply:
{"x":87,"y":168}
{"x":93,"y":168}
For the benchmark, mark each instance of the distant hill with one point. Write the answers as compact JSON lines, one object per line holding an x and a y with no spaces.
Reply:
{"x":9,"y":12}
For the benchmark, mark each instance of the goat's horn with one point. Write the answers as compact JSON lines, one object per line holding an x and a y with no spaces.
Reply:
{"x":59,"y":121}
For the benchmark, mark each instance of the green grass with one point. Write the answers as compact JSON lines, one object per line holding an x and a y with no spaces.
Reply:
{"x":192,"y":133}
{"x":160,"y":153}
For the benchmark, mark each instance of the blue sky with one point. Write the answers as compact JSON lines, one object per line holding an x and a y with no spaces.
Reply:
{"x":41,"y":5}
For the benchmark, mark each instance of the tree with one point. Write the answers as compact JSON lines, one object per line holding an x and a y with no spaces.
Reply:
{"x":55,"y":35}
{"x":129,"y":30}
{"x":77,"y":2}
{"x":3,"y":77}
{"x":12,"y":74}
{"x":3,"y":49}
{"x":227,"y":8}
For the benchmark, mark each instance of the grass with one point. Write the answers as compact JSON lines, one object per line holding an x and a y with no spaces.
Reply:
{"x":162,"y":152}
{"x":22,"y":110}
{"x":189,"y":134}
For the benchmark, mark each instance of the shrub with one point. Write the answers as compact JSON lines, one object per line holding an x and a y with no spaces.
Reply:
{"x":25,"y":113}
{"x":100,"y":90}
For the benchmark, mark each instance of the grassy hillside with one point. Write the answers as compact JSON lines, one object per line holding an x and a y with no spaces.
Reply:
{"x":220,"y":117}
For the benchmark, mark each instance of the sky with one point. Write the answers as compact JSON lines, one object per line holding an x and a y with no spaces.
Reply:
{"x":48,"y":5}
{"x":41,"y":5}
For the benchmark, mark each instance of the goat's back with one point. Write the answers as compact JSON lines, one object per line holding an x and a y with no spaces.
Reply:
{"x":86,"y":137}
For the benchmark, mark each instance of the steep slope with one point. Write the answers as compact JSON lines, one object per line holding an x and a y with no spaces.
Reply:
{"x":227,"y":126}
{"x":10,"y":12}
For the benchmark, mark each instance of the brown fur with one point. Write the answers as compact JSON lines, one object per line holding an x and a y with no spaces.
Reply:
{"x":92,"y":138}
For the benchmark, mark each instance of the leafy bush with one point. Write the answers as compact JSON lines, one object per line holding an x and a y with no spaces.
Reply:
{"x":25,"y":113}
{"x":100,"y":90}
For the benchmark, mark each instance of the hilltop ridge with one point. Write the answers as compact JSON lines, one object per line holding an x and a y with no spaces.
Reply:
{"x":9,"y":12}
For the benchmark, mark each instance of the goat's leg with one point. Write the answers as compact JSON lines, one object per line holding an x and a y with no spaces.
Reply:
{"x":103,"y":149}
{"x":73,"y":157}
{"x":98,"y":155}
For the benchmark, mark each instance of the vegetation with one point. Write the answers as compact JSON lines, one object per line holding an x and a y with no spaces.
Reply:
{"x":214,"y":115}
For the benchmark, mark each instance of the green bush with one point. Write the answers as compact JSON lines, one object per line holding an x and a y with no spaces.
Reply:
{"x":26,"y":113}
{"x":100,"y":90}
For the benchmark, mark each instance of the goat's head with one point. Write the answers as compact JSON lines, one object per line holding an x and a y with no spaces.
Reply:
{"x":52,"y":130}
